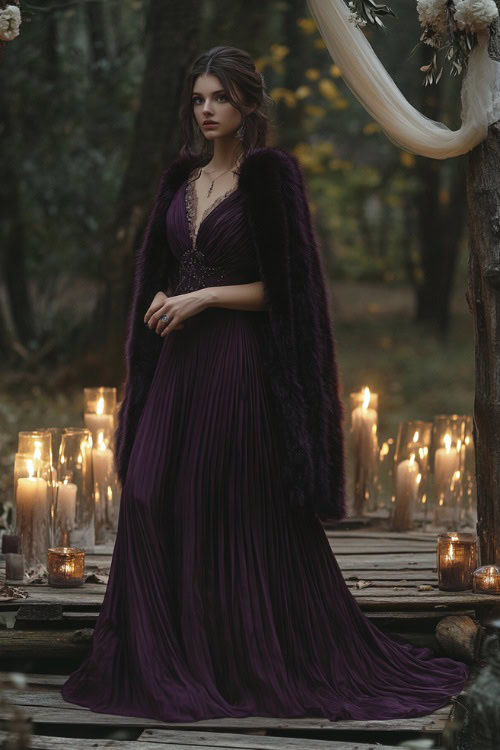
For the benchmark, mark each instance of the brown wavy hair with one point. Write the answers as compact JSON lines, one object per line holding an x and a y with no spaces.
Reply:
{"x":234,"y":67}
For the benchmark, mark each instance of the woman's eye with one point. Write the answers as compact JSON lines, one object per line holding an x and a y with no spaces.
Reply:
{"x":196,"y":99}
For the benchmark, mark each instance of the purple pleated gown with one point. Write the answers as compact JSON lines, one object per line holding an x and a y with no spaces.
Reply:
{"x":223,"y":600}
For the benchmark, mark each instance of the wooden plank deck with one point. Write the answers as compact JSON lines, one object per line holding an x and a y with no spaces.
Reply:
{"x":394,"y":565}
{"x":49,"y":622}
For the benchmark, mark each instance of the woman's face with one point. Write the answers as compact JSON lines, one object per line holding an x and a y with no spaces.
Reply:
{"x":210,"y":102}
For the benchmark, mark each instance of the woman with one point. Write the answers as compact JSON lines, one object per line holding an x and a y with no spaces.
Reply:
{"x":224,"y":597}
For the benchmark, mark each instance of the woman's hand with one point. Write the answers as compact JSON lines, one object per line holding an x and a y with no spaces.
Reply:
{"x":177,"y":308}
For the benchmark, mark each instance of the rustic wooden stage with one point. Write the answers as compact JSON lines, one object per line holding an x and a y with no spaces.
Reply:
{"x":46,"y":635}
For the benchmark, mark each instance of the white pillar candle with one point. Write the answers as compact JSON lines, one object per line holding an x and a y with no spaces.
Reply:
{"x":363,"y":420}
{"x":66,"y":504}
{"x":32,"y":518}
{"x":99,"y":423}
{"x":102,"y":464}
{"x":407,"y":481}
{"x":446,"y":463}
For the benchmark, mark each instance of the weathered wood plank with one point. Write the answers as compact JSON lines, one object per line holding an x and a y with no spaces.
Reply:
{"x":207,"y":741}
{"x":433,"y":723}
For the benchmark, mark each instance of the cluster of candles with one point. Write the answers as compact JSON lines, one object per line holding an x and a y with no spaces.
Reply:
{"x":65,"y":492}
{"x":66,"y":565}
{"x":428,"y":464}
{"x":456,"y":565}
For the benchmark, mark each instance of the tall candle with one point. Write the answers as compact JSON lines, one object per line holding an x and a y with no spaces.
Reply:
{"x":98,"y":423}
{"x":66,"y":510}
{"x":407,"y":481}
{"x":364,"y":425}
{"x":102,"y":464}
{"x":32,"y":518}
{"x":446,"y":462}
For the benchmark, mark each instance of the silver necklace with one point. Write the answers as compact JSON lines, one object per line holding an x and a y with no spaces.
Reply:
{"x":215,"y":178}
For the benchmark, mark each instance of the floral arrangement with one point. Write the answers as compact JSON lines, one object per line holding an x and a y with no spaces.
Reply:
{"x":10,"y":20}
{"x":449,"y":26}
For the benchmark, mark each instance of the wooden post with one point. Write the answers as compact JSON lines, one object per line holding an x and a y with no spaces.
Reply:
{"x":483,"y":297}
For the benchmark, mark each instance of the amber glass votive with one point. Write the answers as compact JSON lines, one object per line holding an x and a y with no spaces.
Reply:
{"x":456,"y":560}
{"x":66,"y":566}
{"x":486,"y":580}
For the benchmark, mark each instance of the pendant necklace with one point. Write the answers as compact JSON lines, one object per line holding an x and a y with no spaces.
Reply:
{"x":215,"y":178}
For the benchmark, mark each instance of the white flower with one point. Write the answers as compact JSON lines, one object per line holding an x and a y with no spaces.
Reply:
{"x":10,"y":20}
{"x":475,"y":15}
{"x":433,"y":13}
{"x":355,"y":19}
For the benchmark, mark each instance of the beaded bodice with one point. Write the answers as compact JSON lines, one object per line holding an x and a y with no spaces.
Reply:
{"x":216,"y":252}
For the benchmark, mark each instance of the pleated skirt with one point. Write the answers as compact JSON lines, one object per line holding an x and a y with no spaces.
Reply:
{"x":223,"y":600}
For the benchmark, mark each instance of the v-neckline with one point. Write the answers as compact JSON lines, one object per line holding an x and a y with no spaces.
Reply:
{"x":191,"y":205}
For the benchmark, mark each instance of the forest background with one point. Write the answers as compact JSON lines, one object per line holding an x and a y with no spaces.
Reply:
{"x":89,"y":117}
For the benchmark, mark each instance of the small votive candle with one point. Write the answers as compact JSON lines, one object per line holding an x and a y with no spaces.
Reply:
{"x":66,"y":566}
{"x":456,"y":561}
{"x":486,"y":580}
{"x":14,"y":567}
{"x":11,"y":543}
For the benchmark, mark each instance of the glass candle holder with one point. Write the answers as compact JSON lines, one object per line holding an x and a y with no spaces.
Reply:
{"x":99,"y":410}
{"x":384,"y":474}
{"x":364,"y":425}
{"x":32,"y":507}
{"x":486,"y":580}
{"x":448,"y":435}
{"x":468,"y":501}
{"x":35,"y":443}
{"x":410,"y":473}
{"x":55,"y":442}
{"x":75,"y":506}
{"x":66,"y":566}
{"x":456,"y":561}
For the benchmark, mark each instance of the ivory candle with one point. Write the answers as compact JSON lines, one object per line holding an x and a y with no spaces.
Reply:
{"x":98,"y":423}
{"x":32,"y":517}
{"x":407,"y":481}
{"x":446,"y":463}
{"x":66,"y":503}
{"x":66,"y":511}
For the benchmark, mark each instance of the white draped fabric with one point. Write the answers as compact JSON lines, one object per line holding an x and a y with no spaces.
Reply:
{"x":404,"y":125}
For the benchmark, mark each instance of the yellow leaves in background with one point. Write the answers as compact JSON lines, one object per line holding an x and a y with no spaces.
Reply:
{"x":314,"y":110}
{"x":339,"y":164}
{"x":286,"y":95}
{"x":330,"y":91}
{"x":279,"y":51}
{"x":312,"y":74}
{"x":335,"y":71}
{"x":319,"y":43}
{"x":274,"y":60}
{"x":444,"y":197}
{"x":302,"y":92}
{"x":307,"y":25}
{"x":312,"y":156}
{"x":406,"y":159}
{"x":370,"y":128}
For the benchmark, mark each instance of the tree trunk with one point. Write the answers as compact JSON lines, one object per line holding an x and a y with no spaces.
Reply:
{"x":16,"y":314}
{"x":483,"y":191}
{"x":172,"y":42}
{"x":441,"y":222}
